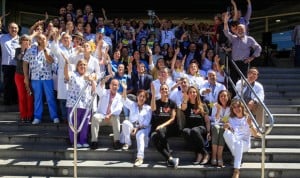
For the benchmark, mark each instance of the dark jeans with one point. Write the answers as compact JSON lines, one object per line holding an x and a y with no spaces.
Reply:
{"x":234,"y":74}
{"x":196,"y":137}
{"x":160,"y":142}
{"x":9,"y":86}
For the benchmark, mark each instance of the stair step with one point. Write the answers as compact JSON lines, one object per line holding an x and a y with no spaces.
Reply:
{"x":126,"y":169}
{"x":276,"y":70}
{"x":10,"y":108}
{"x":107,"y":168}
{"x":285,"y":129}
{"x":273,"y":155}
{"x":279,"y":75}
{"x":275,"y":87}
{"x":278,"y":141}
{"x":102,"y":153}
{"x":284,"y":109}
{"x":282,"y":101}
{"x":57,"y":152}
{"x":63,"y":139}
{"x":286,"y":119}
{"x":274,"y":81}
{"x":290,"y":94}
{"x":16,"y":126}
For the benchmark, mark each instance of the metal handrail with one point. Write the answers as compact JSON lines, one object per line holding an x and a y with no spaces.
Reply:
{"x":74,"y":110}
{"x":271,"y":118}
{"x":262,"y":130}
{"x":74,"y":128}
{"x":71,"y":125}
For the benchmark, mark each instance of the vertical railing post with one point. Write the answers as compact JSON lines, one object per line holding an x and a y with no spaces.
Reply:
{"x":266,"y":24}
{"x":263,"y":147}
{"x":75,"y":143}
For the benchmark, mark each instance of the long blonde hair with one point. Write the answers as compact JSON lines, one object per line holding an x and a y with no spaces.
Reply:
{"x":239,"y":103}
{"x":198,"y":101}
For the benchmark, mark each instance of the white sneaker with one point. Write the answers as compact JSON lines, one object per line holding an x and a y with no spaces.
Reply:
{"x":36,"y":121}
{"x":138,"y":162}
{"x":79,"y":145}
{"x":125,"y":147}
{"x":85,"y":145}
{"x":56,"y":121}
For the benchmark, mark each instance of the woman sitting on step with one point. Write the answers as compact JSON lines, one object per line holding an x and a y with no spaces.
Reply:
{"x":138,"y":124}
{"x":163,"y":123}
{"x":197,"y":124}
{"x":219,"y":115}
{"x":237,"y":133}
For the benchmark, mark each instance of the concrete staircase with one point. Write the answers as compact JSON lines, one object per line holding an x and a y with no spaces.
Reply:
{"x":44,"y":151}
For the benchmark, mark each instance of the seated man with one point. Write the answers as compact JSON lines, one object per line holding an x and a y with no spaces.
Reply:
{"x":210,"y":89}
{"x":176,"y":96}
{"x":249,"y":97}
{"x":108,"y":112}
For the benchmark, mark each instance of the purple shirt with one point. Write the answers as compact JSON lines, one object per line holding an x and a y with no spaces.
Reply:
{"x":241,"y":46}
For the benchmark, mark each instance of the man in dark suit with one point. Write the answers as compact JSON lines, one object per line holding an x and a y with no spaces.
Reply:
{"x":192,"y":53}
{"x":140,"y":81}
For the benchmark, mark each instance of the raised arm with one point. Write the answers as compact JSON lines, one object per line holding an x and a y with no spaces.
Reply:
{"x":177,"y":50}
{"x":217,"y":62}
{"x":104,"y":14}
{"x":124,"y":85}
{"x":66,"y":67}
{"x":249,"y":11}
{"x":203,"y":55}
{"x":149,"y":51}
{"x":49,"y":58}
{"x":235,"y":11}
{"x":153,"y":101}
{"x":108,"y":63}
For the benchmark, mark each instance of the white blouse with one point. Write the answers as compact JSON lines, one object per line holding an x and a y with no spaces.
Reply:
{"x":240,"y":129}
{"x":142,"y":117}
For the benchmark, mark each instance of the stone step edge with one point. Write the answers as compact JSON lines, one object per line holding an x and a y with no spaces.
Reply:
{"x":18,"y":147}
{"x":118,"y":164}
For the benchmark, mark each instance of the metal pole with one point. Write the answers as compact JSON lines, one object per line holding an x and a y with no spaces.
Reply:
{"x":75,"y":144}
{"x":3,"y":11}
{"x":263,"y":142}
{"x":263,"y":146}
{"x":267,"y":24}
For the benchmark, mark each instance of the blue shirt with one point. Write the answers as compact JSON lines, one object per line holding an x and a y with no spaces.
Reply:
{"x":9,"y":45}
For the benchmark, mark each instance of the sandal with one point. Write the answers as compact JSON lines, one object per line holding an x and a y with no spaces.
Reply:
{"x":213,"y":162}
{"x":198,"y":159}
{"x":236,"y":173}
{"x":205,"y":159}
{"x":220,"y":163}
